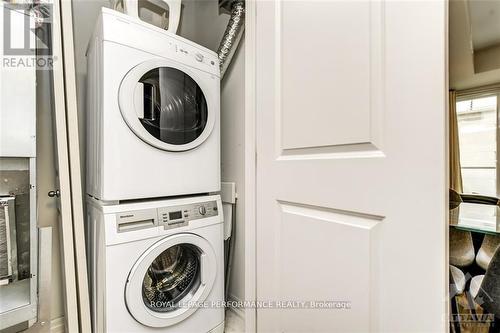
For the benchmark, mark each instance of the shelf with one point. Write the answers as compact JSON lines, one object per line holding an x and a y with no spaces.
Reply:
{"x":14,"y":295}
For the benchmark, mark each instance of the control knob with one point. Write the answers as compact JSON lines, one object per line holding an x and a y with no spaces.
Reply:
{"x":199,"y":57}
{"x":202,"y":210}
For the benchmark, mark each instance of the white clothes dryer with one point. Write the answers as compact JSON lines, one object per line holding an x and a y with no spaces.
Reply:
{"x":153,"y":109}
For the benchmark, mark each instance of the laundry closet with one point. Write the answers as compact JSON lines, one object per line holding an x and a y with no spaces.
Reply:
{"x":144,"y":170}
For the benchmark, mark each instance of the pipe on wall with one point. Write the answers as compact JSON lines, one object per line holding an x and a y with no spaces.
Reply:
{"x":232,"y":35}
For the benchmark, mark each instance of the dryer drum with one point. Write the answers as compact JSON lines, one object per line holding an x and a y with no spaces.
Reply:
{"x":171,"y":277}
{"x":175,"y":109}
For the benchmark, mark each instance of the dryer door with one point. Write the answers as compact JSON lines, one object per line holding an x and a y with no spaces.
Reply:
{"x":165,"y":105}
{"x":168,"y":282}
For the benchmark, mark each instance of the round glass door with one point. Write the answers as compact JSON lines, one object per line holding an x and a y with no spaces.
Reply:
{"x":173,"y":276}
{"x":168,"y":106}
{"x":172,"y":105}
{"x":167,"y":281}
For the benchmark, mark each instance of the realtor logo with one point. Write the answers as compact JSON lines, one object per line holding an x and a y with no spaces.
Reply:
{"x":26,"y":35}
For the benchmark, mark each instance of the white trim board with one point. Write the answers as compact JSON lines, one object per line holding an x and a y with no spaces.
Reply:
{"x":64,"y":178}
{"x":250,"y":315}
{"x":74,"y":165}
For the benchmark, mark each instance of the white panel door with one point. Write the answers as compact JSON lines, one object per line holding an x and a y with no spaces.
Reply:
{"x":351,"y":165}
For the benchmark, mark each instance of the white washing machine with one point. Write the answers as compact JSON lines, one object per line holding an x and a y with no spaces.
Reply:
{"x":157,"y":266}
{"x":153,"y":108}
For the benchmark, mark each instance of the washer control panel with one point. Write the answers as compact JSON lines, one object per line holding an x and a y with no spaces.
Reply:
{"x":178,"y":216}
{"x":168,"y":217}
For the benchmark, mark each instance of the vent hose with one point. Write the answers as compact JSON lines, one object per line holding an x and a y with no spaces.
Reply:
{"x":232,"y":36}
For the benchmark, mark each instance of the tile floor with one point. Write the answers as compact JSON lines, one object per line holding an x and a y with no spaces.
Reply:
{"x":234,"y":323}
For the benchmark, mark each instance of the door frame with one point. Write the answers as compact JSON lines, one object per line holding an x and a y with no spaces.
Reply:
{"x":74,"y":263}
{"x":63,"y":177}
{"x":250,"y":167}
{"x":251,"y":160}
{"x":486,"y":91}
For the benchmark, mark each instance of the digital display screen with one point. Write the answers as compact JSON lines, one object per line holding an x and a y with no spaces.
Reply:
{"x":175,"y":215}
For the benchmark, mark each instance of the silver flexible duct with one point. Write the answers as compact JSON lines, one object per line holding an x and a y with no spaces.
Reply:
{"x":232,"y":36}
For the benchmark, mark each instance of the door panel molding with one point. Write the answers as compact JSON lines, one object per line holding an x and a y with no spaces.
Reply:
{"x":357,"y":150}
{"x":308,"y":233}
{"x":354,"y":219}
{"x":362,"y":110}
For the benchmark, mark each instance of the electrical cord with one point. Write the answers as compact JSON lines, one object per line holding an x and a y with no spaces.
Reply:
{"x":228,"y":257}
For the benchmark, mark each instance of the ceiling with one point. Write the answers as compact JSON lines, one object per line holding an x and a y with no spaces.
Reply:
{"x":474,"y":34}
{"x":485,"y":23}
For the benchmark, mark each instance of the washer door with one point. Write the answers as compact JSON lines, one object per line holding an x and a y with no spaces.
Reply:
{"x":164,"y":104}
{"x":167,"y":283}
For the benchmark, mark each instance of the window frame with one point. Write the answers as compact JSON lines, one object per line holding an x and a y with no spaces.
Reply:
{"x":479,"y":93}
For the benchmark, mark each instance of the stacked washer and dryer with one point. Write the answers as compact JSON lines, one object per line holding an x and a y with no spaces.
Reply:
{"x":155,"y":227}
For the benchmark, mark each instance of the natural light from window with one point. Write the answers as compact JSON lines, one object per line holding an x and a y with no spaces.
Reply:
{"x":477,"y":126}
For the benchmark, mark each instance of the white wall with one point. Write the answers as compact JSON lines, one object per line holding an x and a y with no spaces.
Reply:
{"x":233,"y":159}
{"x":85,"y":13}
{"x":202,"y":24}
{"x":46,"y":181}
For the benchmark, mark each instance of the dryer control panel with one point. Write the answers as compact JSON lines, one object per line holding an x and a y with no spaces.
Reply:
{"x":168,"y":217}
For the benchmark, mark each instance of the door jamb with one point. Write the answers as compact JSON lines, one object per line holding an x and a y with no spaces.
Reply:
{"x":250,"y":167}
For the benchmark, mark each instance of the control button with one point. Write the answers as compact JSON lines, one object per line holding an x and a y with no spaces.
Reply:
{"x":199,"y":57}
{"x":202,"y":210}
{"x":215,"y":208}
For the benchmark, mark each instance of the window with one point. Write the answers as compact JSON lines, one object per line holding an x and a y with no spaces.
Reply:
{"x":477,"y":127}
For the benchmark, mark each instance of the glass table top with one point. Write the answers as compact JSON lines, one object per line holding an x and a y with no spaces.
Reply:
{"x":476,"y":217}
